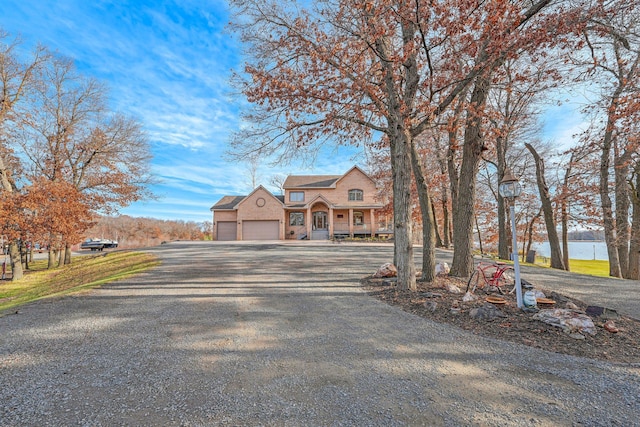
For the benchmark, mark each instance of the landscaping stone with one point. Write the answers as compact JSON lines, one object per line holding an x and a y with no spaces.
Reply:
{"x":569,"y":320}
{"x":602,"y":312}
{"x":442,"y":269}
{"x":386,"y":270}
{"x":452,"y":289}
{"x":486,"y":312}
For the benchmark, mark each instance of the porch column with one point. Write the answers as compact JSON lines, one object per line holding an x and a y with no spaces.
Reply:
{"x":351,"y":223}
{"x":373,"y":223}
{"x":330,"y":222}
{"x":309,"y":219}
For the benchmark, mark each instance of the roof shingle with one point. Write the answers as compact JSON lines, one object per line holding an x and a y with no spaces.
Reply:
{"x":310,"y":181}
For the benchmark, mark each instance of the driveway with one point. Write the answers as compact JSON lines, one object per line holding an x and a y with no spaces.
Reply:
{"x":281,"y":334}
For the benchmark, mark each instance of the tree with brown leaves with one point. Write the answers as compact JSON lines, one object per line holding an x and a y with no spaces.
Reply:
{"x":349,"y":71}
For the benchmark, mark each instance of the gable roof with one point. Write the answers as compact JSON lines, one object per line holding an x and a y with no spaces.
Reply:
{"x":310,"y":181}
{"x":358,"y":169}
{"x":318,"y":181}
{"x":260,"y":187}
{"x":315,"y":199}
{"x":227,"y":203}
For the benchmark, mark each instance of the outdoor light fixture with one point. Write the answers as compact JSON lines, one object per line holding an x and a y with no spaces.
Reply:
{"x":510,"y":188}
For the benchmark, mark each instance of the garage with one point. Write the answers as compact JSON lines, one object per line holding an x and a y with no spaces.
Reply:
{"x":261,"y":230}
{"x":227,"y":230}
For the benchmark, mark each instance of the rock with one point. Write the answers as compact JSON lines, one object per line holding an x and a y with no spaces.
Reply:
{"x":610,"y":326}
{"x":486,"y":312}
{"x":602,"y":312}
{"x":569,"y":320}
{"x":454,"y":310}
{"x":442,"y":269}
{"x":431,"y":306}
{"x":577,"y":336}
{"x":386,"y":270}
{"x":430,"y":294}
{"x":561,"y":299}
{"x":571,"y":306}
{"x":468,"y":297}
{"x":538,"y":293}
{"x":452,"y":289}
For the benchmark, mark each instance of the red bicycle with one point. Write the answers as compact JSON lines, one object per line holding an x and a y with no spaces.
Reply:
{"x":496,"y":274}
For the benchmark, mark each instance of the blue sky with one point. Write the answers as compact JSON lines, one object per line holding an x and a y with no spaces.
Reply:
{"x":168,"y":63}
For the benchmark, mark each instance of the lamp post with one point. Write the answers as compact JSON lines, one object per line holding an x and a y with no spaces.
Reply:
{"x":510,"y":189}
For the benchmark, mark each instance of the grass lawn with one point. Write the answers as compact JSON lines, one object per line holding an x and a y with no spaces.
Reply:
{"x":84,"y":272}
{"x":582,"y":266}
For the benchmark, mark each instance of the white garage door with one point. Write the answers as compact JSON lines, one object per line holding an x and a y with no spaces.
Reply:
{"x":260,"y":230}
{"x":227,"y":230}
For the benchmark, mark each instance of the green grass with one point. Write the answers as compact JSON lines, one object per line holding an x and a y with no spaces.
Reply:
{"x":582,"y":266}
{"x":84,"y":272}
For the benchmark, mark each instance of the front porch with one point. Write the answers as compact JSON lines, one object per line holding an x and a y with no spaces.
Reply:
{"x":321,"y":222}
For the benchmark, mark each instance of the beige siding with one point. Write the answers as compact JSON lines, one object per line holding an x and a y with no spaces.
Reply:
{"x":354,"y":180}
{"x":261,"y":205}
{"x":340,"y":195}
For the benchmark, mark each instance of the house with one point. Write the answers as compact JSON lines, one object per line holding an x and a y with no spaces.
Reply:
{"x":313,"y":207}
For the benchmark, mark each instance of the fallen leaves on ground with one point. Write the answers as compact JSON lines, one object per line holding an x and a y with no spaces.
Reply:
{"x":518,"y":326}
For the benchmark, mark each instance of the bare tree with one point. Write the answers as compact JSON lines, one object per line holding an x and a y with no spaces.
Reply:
{"x":17,"y":80}
{"x":548,"y":210}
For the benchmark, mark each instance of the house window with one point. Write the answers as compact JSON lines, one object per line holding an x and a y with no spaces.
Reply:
{"x":296,"y":196}
{"x":358,"y":218}
{"x":296,"y":218}
{"x":355,"y":195}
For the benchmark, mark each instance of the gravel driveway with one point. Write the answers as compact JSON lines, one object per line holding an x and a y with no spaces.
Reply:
{"x":281,"y":334}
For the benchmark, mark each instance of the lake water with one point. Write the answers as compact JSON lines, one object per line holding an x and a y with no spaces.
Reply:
{"x":577,"y":250}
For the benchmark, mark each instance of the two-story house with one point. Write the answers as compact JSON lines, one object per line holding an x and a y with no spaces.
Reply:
{"x":312,"y":207}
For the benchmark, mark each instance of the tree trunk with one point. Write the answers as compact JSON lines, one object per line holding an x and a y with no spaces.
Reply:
{"x":634,"y":246}
{"x":403,"y":226}
{"x":51,"y":260}
{"x":610,"y":236}
{"x":14,"y":251}
{"x":447,"y":221}
{"x":564,"y":213}
{"x":530,"y":226}
{"x":503,"y":234}
{"x":622,"y":213}
{"x":401,"y":144}
{"x":564,"y":219}
{"x":15,"y":257}
{"x":67,"y":254}
{"x":462,"y":264}
{"x":547,"y":209}
{"x":479,"y":234}
{"x":439,"y":243}
{"x":428,"y":219}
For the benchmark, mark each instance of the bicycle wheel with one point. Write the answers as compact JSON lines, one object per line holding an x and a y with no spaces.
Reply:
{"x":474,"y":280}
{"x":506,"y":278}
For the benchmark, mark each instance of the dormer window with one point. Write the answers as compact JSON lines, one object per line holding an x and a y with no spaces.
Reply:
{"x":355,"y":195}
{"x":296,"y":196}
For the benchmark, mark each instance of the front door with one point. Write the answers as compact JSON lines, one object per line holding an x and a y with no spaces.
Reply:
{"x":320,"y":226}
{"x":320,"y":221}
